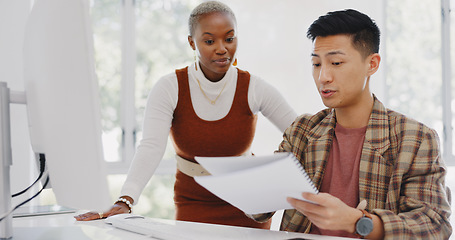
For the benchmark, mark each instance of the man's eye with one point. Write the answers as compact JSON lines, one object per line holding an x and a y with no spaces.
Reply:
{"x":316,"y":64}
{"x":230,"y":39}
{"x":336,"y":63}
{"x":209,"y":41}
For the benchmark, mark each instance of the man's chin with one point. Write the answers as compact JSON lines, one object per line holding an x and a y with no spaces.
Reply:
{"x":328,"y":104}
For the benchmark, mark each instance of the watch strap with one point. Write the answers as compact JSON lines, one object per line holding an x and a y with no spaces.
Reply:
{"x":366,"y":214}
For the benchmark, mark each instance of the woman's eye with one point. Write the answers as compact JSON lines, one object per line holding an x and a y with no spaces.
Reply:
{"x":316,"y":64}
{"x":336,"y":63}
{"x":230,"y":39}
{"x":209,"y":41}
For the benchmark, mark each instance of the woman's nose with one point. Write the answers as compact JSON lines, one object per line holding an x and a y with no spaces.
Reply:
{"x":220,"y":48}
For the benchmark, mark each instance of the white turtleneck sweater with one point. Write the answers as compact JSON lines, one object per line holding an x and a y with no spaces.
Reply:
{"x":162,"y":102}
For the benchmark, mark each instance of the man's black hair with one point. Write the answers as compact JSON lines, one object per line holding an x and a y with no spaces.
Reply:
{"x":363,"y":30}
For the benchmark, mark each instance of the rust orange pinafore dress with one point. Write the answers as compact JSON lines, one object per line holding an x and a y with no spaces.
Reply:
{"x":193,"y":136}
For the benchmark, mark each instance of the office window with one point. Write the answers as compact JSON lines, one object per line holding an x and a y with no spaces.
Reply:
{"x":413,"y":64}
{"x":415,"y":68}
{"x":451,"y":71}
{"x":137,"y":42}
{"x":413,"y":59}
{"x":161,"y":45}
{"x":107,"y":30}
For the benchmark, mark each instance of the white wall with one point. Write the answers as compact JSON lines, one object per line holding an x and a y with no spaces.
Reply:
{"x":13,"y":16}
{"x":274,"y":46}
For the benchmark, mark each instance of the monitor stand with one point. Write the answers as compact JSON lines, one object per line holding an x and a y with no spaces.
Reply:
{"x":30,"y":211}
{"x":6,"y":97}
{"x":6,"y":228}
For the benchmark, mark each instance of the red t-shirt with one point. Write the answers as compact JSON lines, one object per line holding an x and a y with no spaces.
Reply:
{"x":341,"y":178}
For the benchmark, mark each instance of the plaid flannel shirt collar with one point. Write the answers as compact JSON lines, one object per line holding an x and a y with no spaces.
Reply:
{"x":377,"y":133}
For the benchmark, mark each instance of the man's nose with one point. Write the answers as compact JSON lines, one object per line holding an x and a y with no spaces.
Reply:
{"x":325,"y":75}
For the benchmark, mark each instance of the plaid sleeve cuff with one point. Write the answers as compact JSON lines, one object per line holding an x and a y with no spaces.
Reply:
{"x":261,"y":217}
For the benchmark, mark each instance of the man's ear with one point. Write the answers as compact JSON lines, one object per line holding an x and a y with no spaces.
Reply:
{"x":374,"y":61}
{"x":191,"y":42}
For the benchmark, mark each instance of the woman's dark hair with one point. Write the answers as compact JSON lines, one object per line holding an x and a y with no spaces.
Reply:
{"x":204,"y":9}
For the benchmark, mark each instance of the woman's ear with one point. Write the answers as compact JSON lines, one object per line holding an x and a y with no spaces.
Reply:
{"x":191,"y":42}
{"x":374,"y":61}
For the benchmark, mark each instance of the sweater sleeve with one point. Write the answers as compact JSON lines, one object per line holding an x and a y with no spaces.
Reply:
{"x":158,"y":115}
{"x":268,"y":100}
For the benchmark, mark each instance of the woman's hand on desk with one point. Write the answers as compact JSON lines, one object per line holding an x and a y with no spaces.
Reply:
{"x":118,"y":208}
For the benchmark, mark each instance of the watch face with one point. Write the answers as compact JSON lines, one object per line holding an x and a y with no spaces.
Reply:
{"x":364,"y":226}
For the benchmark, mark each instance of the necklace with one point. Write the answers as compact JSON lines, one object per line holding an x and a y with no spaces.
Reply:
{"x":205,"y":95}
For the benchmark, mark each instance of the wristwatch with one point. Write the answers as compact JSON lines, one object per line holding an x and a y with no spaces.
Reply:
{"x":364,"y":225}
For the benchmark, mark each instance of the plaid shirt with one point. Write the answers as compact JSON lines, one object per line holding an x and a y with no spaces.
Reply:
{"x":401,"y":172}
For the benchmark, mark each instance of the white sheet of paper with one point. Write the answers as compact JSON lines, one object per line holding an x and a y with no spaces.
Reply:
{"x":256,"y":184}
{"x":222,"y":165}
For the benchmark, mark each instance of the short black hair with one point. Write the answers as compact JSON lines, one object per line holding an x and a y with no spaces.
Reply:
{"x":204,"y":9}
{"x":363,"y":30}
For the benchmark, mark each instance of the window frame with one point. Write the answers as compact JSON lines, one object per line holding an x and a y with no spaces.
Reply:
{"x":127,"y":107}
{"x":446,"y":84}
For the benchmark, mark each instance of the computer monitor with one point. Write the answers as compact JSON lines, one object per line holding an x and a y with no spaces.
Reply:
{"x":63,"y":103}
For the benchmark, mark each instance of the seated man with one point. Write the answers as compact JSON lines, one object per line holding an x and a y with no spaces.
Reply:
{"x":379,"y":173}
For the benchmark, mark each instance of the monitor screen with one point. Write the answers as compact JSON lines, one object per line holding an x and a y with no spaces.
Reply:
{"x":63,"y":103}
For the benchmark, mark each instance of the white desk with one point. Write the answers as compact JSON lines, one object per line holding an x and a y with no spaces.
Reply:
{"x":64,"y":227}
